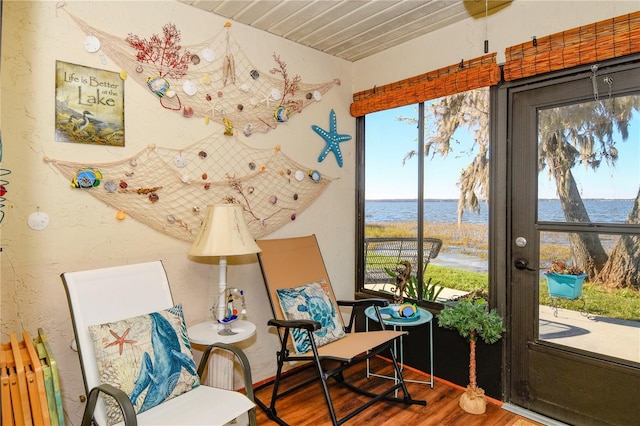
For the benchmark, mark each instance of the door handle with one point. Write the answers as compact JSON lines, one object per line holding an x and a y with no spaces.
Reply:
{"x":522,"y":264}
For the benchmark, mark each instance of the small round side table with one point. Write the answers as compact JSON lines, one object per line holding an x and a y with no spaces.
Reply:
{"x":206,"y":332}
{"x":425,"y":317}
{"x":221,"y":362}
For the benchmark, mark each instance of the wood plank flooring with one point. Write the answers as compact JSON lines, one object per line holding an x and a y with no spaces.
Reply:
{"x":308,"y":406}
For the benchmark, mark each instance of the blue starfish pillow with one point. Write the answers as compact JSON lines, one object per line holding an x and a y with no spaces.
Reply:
{"x":148,"y":357}
{"x":311,"y":301}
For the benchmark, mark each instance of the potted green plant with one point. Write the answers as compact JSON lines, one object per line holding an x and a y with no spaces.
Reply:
{"x":564,"y":280}
{"x":472,"y":319}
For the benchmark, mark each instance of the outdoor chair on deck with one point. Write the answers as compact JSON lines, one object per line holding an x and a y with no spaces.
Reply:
{"x":386,"y":253}
{"x":307,"y":317}
{"x":133,"y":346}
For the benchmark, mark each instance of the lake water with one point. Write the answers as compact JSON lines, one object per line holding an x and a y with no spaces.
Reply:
{"x":444,"y":211}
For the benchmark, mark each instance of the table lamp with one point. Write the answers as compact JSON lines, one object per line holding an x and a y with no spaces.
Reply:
{"x":224,"y":233}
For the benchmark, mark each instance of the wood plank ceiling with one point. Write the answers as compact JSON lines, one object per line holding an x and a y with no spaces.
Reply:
{"x":349,"y":29}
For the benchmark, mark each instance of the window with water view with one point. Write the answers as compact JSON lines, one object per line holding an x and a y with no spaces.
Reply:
{"x":447,"y":172}
{"x":588,"y":210}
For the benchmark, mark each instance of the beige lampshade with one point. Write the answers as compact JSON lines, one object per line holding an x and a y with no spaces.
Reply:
{"x":224,"y":232}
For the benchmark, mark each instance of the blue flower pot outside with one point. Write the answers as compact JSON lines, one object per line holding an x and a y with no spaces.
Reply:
{"x":565,"y":286}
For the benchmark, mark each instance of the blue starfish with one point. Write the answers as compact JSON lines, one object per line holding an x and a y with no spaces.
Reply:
{"x":331,"y":138}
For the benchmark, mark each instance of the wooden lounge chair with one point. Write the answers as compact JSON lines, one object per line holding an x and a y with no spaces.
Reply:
{"x":133,"y":296}
{"x":294,"y":273}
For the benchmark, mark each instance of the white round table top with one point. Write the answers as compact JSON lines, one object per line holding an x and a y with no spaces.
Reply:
{"x":206,"y":333}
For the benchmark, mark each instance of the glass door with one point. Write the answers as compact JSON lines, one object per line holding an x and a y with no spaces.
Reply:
{"x":574,"y":299}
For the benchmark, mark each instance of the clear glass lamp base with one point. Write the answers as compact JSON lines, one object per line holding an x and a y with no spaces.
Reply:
{"x":228,"y":314}
{"x":226,"y":331}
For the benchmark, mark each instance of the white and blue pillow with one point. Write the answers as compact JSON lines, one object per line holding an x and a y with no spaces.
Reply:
{"x":148,"y":357}
{"x":311,"y":301}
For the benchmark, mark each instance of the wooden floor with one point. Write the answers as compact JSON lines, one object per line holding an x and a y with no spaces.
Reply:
{"x":308,"y":407}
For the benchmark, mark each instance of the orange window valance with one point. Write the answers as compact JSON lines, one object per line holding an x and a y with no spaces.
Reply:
{"x":466,"y":75}
{"x":588,"y":44}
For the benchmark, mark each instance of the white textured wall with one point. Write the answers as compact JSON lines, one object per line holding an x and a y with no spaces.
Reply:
{"x":84,"y":232}
{"x":512,"y":25}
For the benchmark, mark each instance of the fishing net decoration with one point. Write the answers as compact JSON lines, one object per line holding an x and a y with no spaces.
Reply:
{"x":213,"y":79}
{"x":169,"y":189}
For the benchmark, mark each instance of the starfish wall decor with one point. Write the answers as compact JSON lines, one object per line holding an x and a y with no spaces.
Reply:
{"x":332,"y":139}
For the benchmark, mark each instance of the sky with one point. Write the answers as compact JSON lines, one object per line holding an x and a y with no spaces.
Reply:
{"x":388,"y":141}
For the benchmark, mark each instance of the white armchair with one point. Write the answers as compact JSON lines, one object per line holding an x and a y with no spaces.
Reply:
{"x":112,"y":309}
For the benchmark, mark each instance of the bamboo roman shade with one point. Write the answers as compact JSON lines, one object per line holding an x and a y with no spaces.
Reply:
{"x":467,"y":75}
{"x":588,"y":44}
{"x":607,"y":39}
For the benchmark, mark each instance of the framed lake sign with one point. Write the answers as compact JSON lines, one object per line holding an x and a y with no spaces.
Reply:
{"x":89,"y":105}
